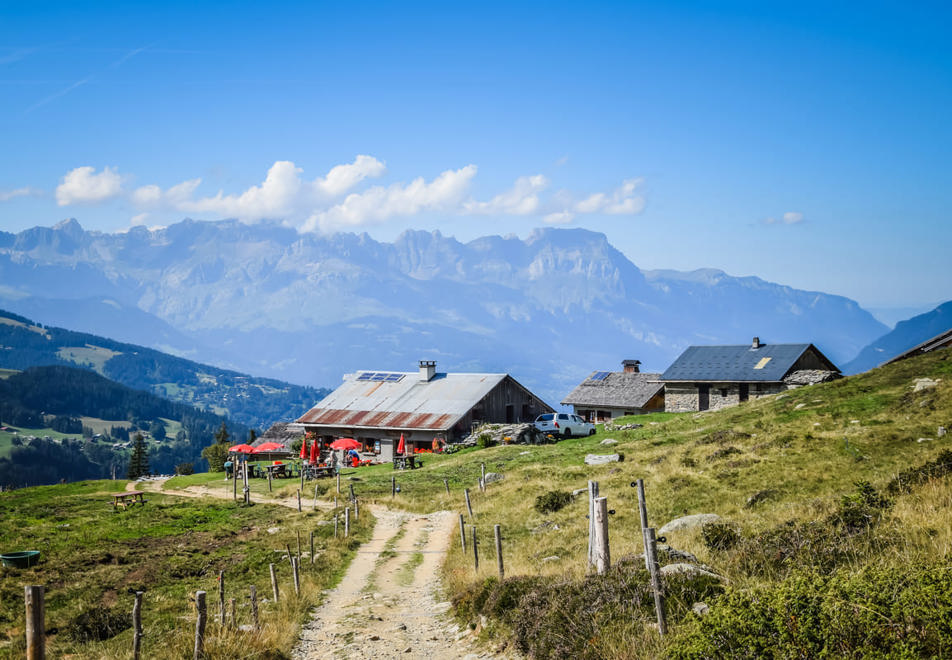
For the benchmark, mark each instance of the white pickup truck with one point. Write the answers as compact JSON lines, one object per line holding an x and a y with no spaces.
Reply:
{"x":564,"y":424}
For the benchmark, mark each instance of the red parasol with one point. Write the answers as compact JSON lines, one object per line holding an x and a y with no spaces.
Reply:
{"x":268,"y":447}
{"x":314,"y":453}
{"x":304,"y":448}
{"x":242,"y":449}
{"x":345,"y":443}
{"x":402,"y":446}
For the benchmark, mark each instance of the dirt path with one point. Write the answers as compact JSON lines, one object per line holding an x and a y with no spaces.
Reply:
{"x":386,"y":605}
{"x":224,"y":493}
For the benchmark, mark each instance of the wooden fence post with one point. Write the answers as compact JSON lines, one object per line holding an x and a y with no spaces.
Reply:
{"x":356,"y":509}
{"x":221,"y":596}
{"x":602,"y":554}
{"x":269,"y":481}
{"x":352,"y":495}
{"x":346,"y":522}
{"x":643,"y":514}
{"x":287,"y":546}
{"x":656,"y":581}
{"x":247,"y":489}
{"x":299,"y":500}
{"x":312,"y":548}
{"x":462,"y":533}
{"x":254,"y":604}
{"x":35,"y":622}
{"x":137,"y":627}
{"x":475,"y":552}
{"x":446,"y":485}
{"x":482,"y":477}
{"x":199,"y":651}
{"x":469,"y":506}
{"x":299,"y":546}
{"x":315,"y":497}
{"x":274,"y":583}
{"x":335,"y":523}
{"x":498,"y":534}
{"x":592,"y":494}
{"x":297,"y":576}
{"x":393,"y":486}
{"x":234,"y":480}
{"x":338,"y":484}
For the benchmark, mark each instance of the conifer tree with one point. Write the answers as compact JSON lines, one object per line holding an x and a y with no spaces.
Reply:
{"x":139,"y":461}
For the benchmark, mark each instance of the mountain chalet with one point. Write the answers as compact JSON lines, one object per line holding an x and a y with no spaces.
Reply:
{"x":377,"y":407}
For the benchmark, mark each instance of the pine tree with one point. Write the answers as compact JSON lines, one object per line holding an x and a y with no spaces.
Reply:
{"x":139,"y":461}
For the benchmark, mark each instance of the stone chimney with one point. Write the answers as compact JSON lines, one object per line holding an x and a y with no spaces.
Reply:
{"x":427,"y":370}
{"x":755,"y":343}
{"x":631,"y":366}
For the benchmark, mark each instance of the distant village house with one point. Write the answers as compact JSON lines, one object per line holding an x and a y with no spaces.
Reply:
{"x":377,"y":407}
{"x":605,"y":395}
{"x":713,"y":377}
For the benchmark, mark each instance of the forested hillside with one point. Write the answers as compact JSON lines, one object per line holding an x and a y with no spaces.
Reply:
{"x":255,"y":402}
{"x":58,"y":397}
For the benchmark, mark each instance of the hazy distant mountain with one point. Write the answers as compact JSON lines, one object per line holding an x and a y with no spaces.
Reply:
{"x":906,"y":335}
{"x":307,"y":308}
{"x":254,"y":402}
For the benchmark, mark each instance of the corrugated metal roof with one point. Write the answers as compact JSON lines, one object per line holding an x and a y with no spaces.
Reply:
{"x":767,"y":363}
{"x":617,"y":389}
{"x":410,"y":403}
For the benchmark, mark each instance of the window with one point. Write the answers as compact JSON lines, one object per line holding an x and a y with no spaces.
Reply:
{"x":723,"y":392}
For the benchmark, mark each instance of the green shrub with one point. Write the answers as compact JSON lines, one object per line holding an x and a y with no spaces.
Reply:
{"x":552,"y":501}
{"x":97,"y":624}
{"x":184,"y":469}
{"x":881,"y":612}
{"x":908,"y":479}
{"x":719,"y":536}
{"x":484,"y":440}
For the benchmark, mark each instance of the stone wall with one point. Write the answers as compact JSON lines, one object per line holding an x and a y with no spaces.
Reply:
{"x":682,"y":397}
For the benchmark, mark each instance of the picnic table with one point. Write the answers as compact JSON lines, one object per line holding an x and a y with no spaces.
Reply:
{"x":128,"y":498}
{"x":319,"y":471}
{"x":275,"y":471}
{"x":405,"y":462}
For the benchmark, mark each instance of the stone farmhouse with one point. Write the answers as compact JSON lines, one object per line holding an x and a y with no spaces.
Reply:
{"x":377,"y":407}
{"x":713,"y":377}
{"x":605,"y":395}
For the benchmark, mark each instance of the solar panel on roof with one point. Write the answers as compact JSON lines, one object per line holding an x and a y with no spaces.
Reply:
{"x":600,"y":375}
{"x":365,"y":376}
{"x":379,"y":376}
{"x":393,"y":378}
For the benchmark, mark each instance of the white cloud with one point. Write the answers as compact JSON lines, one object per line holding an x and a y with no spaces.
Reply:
{"x":139,"y":219}
{"x":342,"y":178}
{"x":788,"y":218}
{"x":83,"y":186}
{"x":621,"y":201}
{"x":378,"y":203}
{"x":7,"y":195}
{"x":521,"y":199}
{"x":559,"y":218}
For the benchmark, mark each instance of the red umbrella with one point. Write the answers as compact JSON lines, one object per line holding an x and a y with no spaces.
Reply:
{"x":242,"y":449}
{"x":345,"y":443}
{"x":402,"y":446}
{"x":314,"y":453}
{"x":304,"y":448}
{"x":268,"y":447}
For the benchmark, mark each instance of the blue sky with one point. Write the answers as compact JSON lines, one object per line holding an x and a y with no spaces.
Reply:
{"x":806,"y":143}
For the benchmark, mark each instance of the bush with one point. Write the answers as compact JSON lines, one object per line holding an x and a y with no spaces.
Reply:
{"x":880,"y":612}
{"x":908,"y":479}
{"x":97,"y":624}
{"x":719,"y":536}
{"x":185,"y":468}
{"x":485,"y":440}
{"x":552,"y":501}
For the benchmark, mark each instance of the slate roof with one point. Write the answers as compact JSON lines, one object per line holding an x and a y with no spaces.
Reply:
{"x":617,"y":390}
{"x":406,"y":404}
{"x":767,"y":363}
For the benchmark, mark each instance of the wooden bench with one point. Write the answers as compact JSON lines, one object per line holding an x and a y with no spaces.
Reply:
{"x":128,"y":498}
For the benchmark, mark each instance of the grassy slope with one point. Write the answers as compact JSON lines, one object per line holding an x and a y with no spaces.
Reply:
{"x":806,"y":448}
{"x":93,"y":559}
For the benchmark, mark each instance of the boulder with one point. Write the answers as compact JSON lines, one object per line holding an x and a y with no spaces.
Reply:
{"x":689,"y":570}
{"x":601,"y":459}
{"x":700,"y":608}
{"x":492,"y":476}
{"x":608,"y":441}
{"x":688,"y":522}
{"x":923,"y":384}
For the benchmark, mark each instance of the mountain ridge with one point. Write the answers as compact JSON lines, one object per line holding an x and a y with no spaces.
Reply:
{"x":307,"y":308}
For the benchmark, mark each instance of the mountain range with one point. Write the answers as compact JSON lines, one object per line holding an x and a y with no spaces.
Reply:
{"x":307,"y":308}
{"x":904,"y":336}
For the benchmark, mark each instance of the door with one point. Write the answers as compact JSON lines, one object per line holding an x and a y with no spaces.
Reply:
{"x":744,"y":391}
{"x":703,"y":397}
